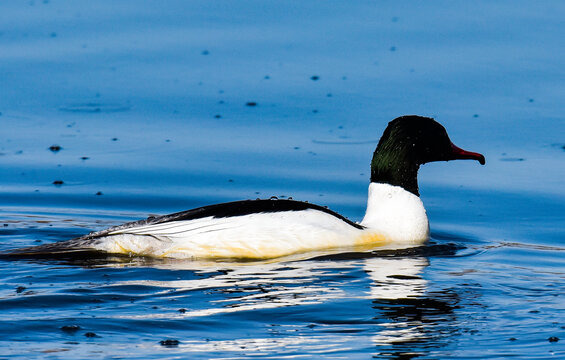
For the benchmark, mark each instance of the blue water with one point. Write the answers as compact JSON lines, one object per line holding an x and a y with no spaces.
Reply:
{"x":147,"y":101}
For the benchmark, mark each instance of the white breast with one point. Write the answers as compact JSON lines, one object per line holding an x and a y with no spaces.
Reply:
{"x":397,"y":214}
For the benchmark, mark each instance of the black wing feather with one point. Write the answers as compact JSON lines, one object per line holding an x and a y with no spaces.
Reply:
{"x":223,"y":210}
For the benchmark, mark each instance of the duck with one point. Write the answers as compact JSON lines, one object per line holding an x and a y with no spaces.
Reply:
{"x":273,"y":228}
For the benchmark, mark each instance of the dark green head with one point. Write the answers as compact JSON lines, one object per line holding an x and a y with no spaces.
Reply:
{"x":408,"y":142}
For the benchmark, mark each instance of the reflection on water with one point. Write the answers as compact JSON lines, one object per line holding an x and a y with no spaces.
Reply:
{"x":394,"y":293}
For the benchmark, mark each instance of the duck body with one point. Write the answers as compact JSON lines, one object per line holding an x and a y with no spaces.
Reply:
{"x":261,"y":229}
{"x":266,"y":229}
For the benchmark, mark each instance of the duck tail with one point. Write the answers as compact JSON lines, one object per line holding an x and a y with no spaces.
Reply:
{"x":75,"y":248}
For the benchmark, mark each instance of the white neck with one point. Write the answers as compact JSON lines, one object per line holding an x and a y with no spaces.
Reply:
{"x":396,"y":213}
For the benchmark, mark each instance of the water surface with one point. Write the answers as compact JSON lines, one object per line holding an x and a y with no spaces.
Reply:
{"x":151,"y":108}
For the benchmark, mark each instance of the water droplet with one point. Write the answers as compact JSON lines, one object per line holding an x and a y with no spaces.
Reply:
{"x":55,"y":148}
{"x":70,"y":328}
{"x":169,"y":342}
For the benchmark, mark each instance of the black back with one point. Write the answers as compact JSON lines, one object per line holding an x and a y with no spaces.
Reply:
{"x":229,"y":209}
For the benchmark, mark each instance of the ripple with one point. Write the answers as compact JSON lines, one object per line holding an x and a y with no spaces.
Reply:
{"x":95,"y":108}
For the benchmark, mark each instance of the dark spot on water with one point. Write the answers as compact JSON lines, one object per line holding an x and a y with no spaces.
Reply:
{"x":19,"y":152}
{"x":531,"y":100}
{"x":94,"y":108}
{"x":513,"y":159}
{"x":329,"y":95}
{"x":182,"y":311}
{"x":55,"y":148}
{"x":315,"y":78}
{"x":90,"y":335}
{"x":221,"y":102}
{"x":534,"y":311}
{"x":315,"y":111}
{"x":99,"y":193}
{"x":53,"y":34}
{"x":169,"y":342}
{"x":115,"y":139}
{"x":84,"y":158}
{"x":512,"y":339}
{"x":20,"y":289}
{"x":553,"y":339}
{"x":218,"y":116}
{"x":251,"y":103}
{"x":71,"y":329}
{"x":393,"y":48}
{"x":230,"y":180}
{"x":297,"y":148}
{"x":267,"y":77}
{"x":476,"y":116}
{"x":58,"y":182}
{"x":205,"y":52}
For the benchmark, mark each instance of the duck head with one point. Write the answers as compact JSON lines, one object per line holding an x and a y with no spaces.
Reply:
{"x":407,"y":143}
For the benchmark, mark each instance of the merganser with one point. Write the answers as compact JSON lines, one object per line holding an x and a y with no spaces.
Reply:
{"x":268,"y":229}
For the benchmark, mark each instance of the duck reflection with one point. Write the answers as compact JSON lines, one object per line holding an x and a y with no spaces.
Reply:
{"x":376,"y":300}
{"x":381,"y":297}
{"x":412,"y":319}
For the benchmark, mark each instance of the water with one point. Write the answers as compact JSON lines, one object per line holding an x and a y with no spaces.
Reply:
{"x":148,"y":103}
